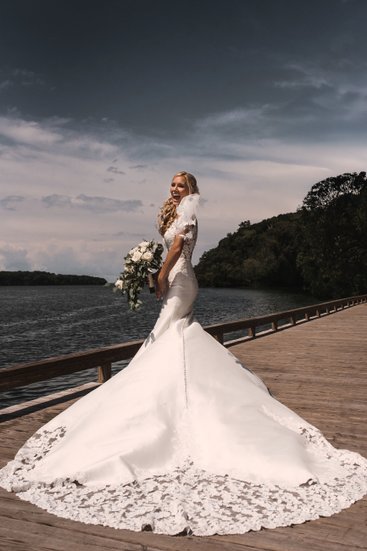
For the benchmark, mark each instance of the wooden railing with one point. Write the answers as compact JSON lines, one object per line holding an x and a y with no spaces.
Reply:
{"x":102,"y":358}
{"x":256,"y":327}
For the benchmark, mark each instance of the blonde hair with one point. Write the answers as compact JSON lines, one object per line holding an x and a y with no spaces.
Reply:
{"x":167,"y":213}
{"x":190,"y":180}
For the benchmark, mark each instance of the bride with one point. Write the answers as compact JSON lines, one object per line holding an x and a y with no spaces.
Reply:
{"x":185,"y":438}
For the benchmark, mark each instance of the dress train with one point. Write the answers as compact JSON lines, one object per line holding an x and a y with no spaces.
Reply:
{"x":184,"y":439}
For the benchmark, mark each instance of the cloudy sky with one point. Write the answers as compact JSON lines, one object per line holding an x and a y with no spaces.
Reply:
{"x":102,"y":101}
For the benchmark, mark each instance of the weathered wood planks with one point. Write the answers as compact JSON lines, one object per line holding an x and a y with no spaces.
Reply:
{"x":319,"y":369}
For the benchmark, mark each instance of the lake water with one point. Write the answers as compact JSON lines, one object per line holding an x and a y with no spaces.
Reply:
{"x":39,"y":322}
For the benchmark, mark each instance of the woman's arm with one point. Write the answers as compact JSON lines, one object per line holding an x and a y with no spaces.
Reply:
{"x":172,"y":256}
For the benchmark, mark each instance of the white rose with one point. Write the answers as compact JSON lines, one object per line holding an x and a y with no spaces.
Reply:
{"x":143,"y":246}
{"x":136,"y":256}
{"x":119,"y":284}
{"x":147,"y":256}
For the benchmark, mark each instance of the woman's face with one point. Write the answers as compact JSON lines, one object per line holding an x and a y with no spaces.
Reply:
{"x":179,"y":189}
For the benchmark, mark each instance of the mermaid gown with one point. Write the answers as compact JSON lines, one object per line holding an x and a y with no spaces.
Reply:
{"x":185,"y":438}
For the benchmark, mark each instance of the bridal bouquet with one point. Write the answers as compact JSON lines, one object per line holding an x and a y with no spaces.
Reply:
{"x":141,"y":263}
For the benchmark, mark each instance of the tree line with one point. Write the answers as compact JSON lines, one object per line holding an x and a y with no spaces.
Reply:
{"x":47,"y":278}
{"x":320,"y":249}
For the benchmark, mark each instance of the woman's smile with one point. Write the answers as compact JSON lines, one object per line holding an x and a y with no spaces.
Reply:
{"x":179,"y":189}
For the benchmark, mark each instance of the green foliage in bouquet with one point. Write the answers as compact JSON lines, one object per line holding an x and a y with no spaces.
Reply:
{"x":142,"y":260}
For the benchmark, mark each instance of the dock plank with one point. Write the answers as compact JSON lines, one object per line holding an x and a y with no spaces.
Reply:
{"x":318,"y":369}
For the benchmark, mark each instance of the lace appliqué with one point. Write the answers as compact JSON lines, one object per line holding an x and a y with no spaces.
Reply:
{"x":183,"y":264}
{"x":187,"y":498}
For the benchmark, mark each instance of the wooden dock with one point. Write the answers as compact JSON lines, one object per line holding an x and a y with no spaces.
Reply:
{"x":319,"y":369}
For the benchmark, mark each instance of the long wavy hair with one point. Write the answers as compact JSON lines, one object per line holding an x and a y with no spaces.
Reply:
{"x":167,"y":213}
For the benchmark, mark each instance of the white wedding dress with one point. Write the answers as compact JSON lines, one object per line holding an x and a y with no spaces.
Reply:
{"x":184,"y":439}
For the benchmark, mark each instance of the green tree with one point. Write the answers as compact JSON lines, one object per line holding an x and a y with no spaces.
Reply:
{"x":47,"y":278}
{"x":332,"y":256}
{"x":261,"y":254}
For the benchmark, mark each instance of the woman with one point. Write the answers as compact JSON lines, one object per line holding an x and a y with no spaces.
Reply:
{"x":184,"y":438}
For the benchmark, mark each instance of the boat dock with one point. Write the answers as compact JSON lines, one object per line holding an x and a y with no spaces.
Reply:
{"x":316,"y":365}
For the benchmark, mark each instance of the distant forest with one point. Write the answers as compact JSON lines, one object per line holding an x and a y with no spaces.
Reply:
{"x":47,"y":278}
{"x":320,"y":249}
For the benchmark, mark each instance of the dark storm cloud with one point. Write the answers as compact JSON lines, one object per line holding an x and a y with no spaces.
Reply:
{"x":90,"y":203}
{"x":17,"y":79}
{"x":158,"y":67}
{"x":5,"y":84}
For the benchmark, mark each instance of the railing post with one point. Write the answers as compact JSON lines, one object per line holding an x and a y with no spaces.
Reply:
{"x":104,"y":373}
{"x":318,"y":312}
{"x":307,"y":316}
{"x":274,"y":325}
{"x":293,"y":319}
{"x":252,"y":331}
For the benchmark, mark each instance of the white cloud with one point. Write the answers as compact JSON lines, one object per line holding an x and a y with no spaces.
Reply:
{"x":232,"y":118}
{"x":27,"y":132}
{"x":79,"y":258}
{"x":76,"y":257}
{"x":304,"y":76}
{"x":13,"y":258}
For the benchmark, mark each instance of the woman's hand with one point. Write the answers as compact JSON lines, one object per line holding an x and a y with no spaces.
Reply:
{"x":161,"y":286}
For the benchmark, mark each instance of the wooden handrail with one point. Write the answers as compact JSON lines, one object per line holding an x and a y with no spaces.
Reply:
{"x":294,"y":316}
{"x":102,"y":358}
{"x":42,"y":370}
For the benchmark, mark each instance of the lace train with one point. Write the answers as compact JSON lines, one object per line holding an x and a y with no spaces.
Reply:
{"x":187,"y":498}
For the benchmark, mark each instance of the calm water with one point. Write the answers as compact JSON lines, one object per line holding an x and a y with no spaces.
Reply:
{"x":39,"y":322}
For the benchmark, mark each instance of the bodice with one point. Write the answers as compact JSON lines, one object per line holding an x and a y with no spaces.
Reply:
{"x":183,"y":264}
